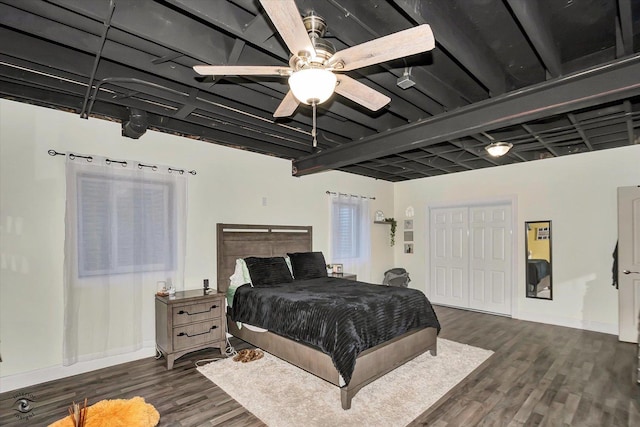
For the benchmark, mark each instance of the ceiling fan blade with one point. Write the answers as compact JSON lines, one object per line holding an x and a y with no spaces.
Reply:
{"x":286,"y":18}
{"x":241,"y":70}
{"x":403,"y":43}
{"x":287,"y":106}
{"x":360,"y":93}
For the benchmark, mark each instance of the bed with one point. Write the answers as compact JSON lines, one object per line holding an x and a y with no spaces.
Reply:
{"x":241,"y":241}
{"x":538,"y":275}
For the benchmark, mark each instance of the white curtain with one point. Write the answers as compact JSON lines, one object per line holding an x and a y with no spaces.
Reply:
{"x":124,"y":233}
{"x":350,"y":234}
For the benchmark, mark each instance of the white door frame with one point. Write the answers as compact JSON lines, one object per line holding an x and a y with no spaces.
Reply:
{"x":515,"y":238}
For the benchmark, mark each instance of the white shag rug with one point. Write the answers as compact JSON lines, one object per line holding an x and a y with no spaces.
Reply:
{"x":282,"y":395}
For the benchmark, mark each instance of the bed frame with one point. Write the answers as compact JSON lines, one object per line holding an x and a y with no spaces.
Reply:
{"x":240,"y":241}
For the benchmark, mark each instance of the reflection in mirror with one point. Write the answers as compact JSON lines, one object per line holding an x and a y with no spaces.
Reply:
{"x":538,"y":253}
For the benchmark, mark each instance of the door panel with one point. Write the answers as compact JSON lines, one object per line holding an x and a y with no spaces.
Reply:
{"x":498,"y":288}
{"x":491,"y":261}
{"x":439,"y":284}
{"x":458,"y":287}
{"x":629,"y":260}
{"x":448,"y":258}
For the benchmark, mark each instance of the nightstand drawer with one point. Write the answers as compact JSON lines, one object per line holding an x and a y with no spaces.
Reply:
{"x":196,"y":312}
{"x":196,"y":334}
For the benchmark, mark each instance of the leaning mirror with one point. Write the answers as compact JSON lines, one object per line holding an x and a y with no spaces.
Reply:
{"x":538,"y":253}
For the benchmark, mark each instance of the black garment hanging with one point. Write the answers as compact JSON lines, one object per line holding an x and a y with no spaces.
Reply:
{"x":614,"y":270}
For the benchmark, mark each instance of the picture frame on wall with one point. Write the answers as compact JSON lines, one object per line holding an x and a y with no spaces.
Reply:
{"x":408,"y":224}
{"x":542,"y":233}
{"x":408,"y":236}
{"x":408,"y":248}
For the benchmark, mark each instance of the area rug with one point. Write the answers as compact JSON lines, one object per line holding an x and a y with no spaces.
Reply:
{"x":282,"y":395}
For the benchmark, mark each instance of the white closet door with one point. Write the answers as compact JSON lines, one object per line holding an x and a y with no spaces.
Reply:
{"x":471,"y":257}
{"x":449,"y":257}
{"x":490,"y":258}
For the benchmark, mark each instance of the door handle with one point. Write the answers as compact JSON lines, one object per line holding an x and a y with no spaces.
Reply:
{"x":629,"y":272}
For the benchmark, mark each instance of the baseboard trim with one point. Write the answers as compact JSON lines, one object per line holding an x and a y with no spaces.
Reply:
{"x":605,"y":328}
{"x":38,"y":376}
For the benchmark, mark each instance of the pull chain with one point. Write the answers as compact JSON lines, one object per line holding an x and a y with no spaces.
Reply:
{"x":313,"y":131}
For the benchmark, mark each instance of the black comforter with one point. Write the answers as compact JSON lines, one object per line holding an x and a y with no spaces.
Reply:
{"x":339,"y":317}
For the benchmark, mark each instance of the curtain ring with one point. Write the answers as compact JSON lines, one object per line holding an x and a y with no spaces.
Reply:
{"x":108,"y":161}
{"x":72,"y":156}
{"x":124,"y":164}
{"x":154,"y":168}
{"x":139,"y":165}
{"x":89,"y":159}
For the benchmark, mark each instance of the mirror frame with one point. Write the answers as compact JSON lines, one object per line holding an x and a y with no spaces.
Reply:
{"x":527,"y":226}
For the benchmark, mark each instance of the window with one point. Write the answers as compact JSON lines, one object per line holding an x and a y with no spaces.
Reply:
{"x":350,"y":234}
{"x":125,"y":225}
{"x":346,"y":230}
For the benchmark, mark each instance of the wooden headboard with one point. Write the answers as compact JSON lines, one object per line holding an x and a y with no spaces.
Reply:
{"x":240,"y":241}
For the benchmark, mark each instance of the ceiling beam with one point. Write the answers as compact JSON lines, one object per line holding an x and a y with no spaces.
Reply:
{"x":541,"y":140}
{"x":629,"y":121}
{"x":609,"y":82}
{"x":242,"y":24}
{"x":454,"y":36}
{"x":580,"y":130}
{"x":625,"y":17}
{"x":536,"y":27}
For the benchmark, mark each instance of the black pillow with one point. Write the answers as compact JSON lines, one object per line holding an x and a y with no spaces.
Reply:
{"x":268,"y":271}
{"x":308,"y":265}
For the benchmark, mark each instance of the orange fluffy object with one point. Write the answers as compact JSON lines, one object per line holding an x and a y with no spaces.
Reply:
{"x":133,"y":412}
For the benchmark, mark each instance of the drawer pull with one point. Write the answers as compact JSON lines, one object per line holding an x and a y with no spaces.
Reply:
{"x":182,"y":334}
{"x":199,"y":312}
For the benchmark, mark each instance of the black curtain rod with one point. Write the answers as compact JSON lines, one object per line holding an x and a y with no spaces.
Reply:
{"x":121,"y":162}
{"x":352,"y":195}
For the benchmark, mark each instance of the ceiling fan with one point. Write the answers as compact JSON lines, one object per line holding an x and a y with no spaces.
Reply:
{"x":314,"y":63}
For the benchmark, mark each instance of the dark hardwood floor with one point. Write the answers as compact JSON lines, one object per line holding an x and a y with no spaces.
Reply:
{"x":539,"y":375}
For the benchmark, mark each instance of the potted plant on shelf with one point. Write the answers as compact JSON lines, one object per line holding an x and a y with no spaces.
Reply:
{"x":392,"y":235}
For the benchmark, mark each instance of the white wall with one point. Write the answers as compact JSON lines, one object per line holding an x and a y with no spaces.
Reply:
{"x":229,"y":187}
{"x":577,"y":193}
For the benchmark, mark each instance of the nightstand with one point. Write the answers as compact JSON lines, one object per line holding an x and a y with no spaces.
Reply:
{"x":347,"y":276}
{"x":189,"y":321}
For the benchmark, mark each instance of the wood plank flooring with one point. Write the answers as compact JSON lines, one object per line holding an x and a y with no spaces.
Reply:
{"x":539,"y":375}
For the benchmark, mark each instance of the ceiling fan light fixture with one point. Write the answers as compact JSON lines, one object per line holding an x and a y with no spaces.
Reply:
{"x":498,"y":149}
{"x":312,"y":85}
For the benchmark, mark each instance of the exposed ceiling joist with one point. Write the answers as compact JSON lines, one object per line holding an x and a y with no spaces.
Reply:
{"x":457,"y":40}
{"x":536,"y":27}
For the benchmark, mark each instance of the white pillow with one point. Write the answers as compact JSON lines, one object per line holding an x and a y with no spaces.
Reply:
{"x":288,"y":261}
{"x":245,"y":271}
{"x":239,"y":277}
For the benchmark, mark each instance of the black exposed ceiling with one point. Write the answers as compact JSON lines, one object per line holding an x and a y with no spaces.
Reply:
{"x":552,"y":77}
